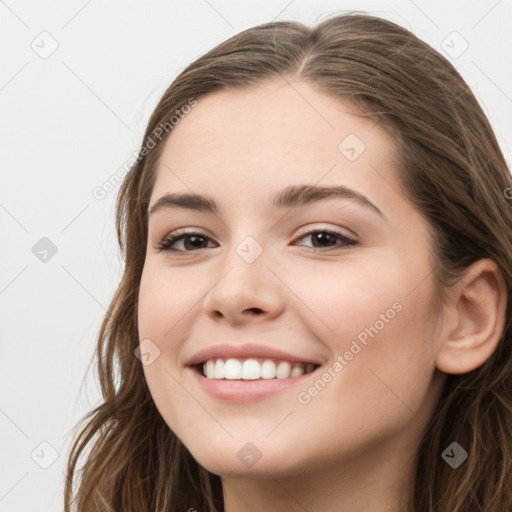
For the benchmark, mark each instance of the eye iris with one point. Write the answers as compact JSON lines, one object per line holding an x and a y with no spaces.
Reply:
{"x":189,"y":241}
{"x":323,"y":236}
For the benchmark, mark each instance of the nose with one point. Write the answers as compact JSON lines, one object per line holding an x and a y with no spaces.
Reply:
{"x":243,"y":291}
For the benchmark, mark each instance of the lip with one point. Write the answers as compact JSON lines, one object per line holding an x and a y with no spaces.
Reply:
{"x":240,"y":391}
{"x":246,"y":351}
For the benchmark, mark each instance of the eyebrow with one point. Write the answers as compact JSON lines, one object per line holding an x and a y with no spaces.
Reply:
{"x":293,"y":196}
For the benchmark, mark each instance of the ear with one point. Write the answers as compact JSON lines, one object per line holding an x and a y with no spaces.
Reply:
{"x":474,"y":319}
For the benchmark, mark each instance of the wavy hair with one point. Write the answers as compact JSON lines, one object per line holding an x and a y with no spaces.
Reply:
{"x":125,"y":457}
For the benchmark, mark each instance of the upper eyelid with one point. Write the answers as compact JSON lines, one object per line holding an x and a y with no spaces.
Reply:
{"x":339,"y":230}
{"x":302,"y":231}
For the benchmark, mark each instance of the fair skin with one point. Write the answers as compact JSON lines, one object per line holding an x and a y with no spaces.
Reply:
{"x":352,"y":445}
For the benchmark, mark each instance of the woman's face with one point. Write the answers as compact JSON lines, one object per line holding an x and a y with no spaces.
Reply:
{"x":278,"y":280}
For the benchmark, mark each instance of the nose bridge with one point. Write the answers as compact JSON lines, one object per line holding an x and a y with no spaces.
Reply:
{"x":250,"y":250}
{"x":244,"y":281}
{"x":244,"y":264}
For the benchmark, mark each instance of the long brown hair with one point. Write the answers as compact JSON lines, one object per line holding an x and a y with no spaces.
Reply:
{"x":451,"y":168}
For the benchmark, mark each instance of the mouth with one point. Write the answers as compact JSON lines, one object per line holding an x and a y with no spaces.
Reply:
{"x":249,"y":372}
{"x":251,"y":369}
{"x":240,"y":381}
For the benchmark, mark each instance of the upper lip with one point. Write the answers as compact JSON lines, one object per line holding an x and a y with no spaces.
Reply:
{"x":246,"y":351}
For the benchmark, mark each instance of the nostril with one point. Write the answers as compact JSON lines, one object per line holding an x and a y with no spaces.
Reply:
{"x":256,"y":310}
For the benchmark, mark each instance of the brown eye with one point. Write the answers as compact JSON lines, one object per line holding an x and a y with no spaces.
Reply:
{"x":327,"y":239}
{"x":191,"y":241}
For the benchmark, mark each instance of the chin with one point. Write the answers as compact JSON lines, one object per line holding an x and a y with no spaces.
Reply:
{"x":240,"y":459}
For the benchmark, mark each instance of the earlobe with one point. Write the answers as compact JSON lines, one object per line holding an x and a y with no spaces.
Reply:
{"x":477,"y":313}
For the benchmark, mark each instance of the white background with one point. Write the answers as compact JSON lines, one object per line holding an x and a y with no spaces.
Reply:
{"x":69,"y":121}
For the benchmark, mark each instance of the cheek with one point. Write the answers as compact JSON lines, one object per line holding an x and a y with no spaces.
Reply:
{"x":379,"y":329}
{"x":166,"y":312}
{"x":380,"y":377}
{"x":166,"y":296}
{"x":160,"y":308}
{"x":354,"y":300}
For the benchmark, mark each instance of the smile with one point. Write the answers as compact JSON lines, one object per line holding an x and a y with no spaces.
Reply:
{"x":241,"y":381}
{"x":253,"y":369}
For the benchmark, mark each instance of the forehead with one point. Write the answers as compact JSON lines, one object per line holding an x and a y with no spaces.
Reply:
{"x":269,"y":136}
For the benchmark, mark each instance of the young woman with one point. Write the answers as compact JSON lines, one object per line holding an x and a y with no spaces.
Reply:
{"x":314,"y":312}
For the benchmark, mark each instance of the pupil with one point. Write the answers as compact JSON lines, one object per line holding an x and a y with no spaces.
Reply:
{"x":323,"y":236}
{"x":191,"y":239}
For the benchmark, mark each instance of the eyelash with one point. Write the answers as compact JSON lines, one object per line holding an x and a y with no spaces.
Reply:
{"x":166,"y":243}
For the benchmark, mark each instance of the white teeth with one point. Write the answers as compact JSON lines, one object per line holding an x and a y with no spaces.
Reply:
{"x":283,"y":370}
{"x":218,"y":373}
{"x":210,"y":368}
{"x":233,"y":369}
{"x":268,"y":370}
{"x":251,"y":370}
{"x":297,"y":371}
{"x":254,"y":369}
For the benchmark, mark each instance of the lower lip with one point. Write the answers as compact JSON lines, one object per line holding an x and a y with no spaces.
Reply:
{"x":245,"y":390}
